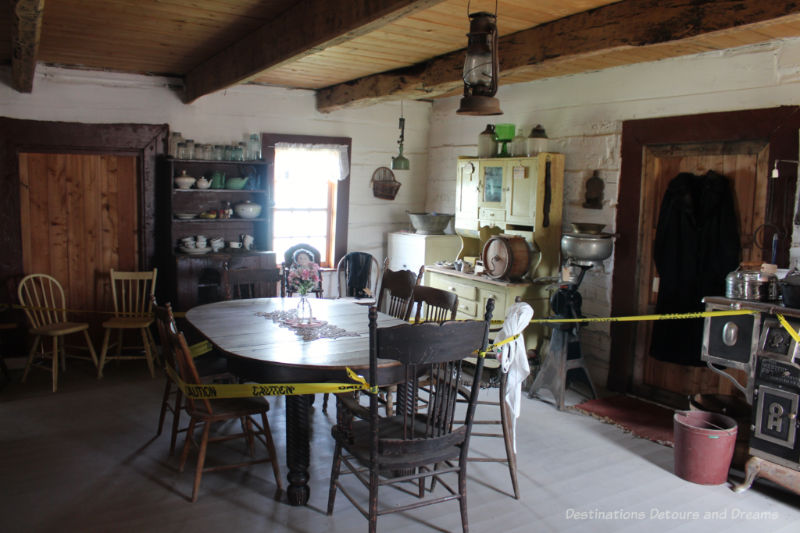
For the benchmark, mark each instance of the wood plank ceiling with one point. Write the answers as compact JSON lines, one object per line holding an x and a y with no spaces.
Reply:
{"x":357,"y":52}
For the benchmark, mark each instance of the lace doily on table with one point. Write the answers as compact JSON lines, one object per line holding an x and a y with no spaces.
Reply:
{"x":317,"y":330}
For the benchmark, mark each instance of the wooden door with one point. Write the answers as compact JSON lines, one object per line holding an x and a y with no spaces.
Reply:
{"x":79,"y":219}
{"x":745,"y":164}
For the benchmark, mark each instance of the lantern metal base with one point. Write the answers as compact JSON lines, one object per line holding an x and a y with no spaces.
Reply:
{"x":479,"y":105}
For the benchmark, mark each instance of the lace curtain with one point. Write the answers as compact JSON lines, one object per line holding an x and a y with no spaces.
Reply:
{"x":326,"y":161}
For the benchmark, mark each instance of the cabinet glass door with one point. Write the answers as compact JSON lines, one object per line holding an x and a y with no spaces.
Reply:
{"x":492,"y":193}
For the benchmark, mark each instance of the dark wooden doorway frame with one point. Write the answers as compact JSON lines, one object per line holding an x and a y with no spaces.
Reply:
{"x":144,"y":141}
{"x":778,"y":126}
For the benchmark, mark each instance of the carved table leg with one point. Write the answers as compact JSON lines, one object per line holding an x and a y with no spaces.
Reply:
{"x":297,"y":448}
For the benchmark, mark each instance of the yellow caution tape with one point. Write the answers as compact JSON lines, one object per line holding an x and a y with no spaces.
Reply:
{"x":788,"y":327}
{"x":638,"y":318}
{"x":252,"y":390}
{"x":200,"y":348}
{"x":493,"y":347}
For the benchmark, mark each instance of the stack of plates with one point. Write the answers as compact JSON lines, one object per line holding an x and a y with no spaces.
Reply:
{"x":185,"y":216}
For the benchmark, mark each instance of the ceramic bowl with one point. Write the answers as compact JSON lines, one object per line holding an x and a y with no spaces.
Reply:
{"x":247,"y":210}
{"x":184,"y":182}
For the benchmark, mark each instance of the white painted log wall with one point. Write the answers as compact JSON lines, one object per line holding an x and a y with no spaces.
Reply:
{"x":101,"y":97}
{"x":583,"y":116}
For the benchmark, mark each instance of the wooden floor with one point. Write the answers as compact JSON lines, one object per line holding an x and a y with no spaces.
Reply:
{"x":85,"y":460}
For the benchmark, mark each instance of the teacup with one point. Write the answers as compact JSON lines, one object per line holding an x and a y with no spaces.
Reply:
{"x":188,"y":244}
{"x":201,"y":242}
{"x":216,"y":246}
{"x":234,"y":244}
{"x":248,"y":242}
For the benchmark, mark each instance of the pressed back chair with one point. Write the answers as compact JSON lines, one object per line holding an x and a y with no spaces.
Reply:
{"x":132,"y":294}
{"x":252,"y":283}
{"x":397,"y":289}
{"x":207,"y":412}
{"x":433,"y":305}
{"x":414,"y":444}
{"x":42,"y":298}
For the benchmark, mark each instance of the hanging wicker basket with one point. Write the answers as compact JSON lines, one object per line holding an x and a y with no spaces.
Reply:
{"x":383,"y":184}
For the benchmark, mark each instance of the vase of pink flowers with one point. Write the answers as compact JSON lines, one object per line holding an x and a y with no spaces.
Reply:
{"x":304,"y":278}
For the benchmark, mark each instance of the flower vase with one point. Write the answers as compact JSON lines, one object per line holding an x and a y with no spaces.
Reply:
{"x":304,"y":314}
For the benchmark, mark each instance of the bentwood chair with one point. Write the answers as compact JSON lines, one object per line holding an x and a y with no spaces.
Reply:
{"x":357,"y":277}
{"x":412,"y":445}
{"x":297,"y":255}
{"x":210,"y":367}
{"x":208,"y":412}
{"x":43,"y":299}
{"x":132,"y":293}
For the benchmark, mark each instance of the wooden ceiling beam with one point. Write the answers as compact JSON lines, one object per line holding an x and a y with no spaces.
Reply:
{"x":308,"y":27}
{"x":25,"y":34}
{"x":627,"y":24}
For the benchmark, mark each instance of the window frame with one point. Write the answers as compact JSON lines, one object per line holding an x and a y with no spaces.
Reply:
{"x":339,"y":202}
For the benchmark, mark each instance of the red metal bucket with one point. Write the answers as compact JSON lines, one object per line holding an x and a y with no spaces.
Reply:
{"x":704,"y":444}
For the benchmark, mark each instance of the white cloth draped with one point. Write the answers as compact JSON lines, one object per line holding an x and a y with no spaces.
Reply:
{"x":329,"y":162}
{"x":514,"y":359}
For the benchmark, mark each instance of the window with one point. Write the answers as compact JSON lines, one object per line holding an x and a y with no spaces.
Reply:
{"x":310,"y":192}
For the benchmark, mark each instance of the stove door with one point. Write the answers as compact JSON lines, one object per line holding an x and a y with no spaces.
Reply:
{"x":730,"y":341}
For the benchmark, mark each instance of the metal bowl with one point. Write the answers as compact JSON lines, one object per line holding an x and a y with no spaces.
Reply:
{"x":429,"y":223}
{"x":588,"y":228}
{"x":585,"y":247}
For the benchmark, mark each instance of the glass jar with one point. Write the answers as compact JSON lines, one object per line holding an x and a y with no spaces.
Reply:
{"x":174,"y":138}
{"x":181,"y":151}
{"x":228,"y":153}
{"x":219,"y":152}
{"x":242,"y":152}
{"x":189,"y":149}
{"x":200,"y":151}
{"x":487,"y":142}
{"x":519,"y":145}
{"x":254,"y":147}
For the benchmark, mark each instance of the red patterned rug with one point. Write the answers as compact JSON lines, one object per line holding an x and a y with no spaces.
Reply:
{"x":643,"y":419}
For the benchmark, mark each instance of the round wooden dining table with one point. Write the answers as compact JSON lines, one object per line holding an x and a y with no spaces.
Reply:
{"x":265,"y":351}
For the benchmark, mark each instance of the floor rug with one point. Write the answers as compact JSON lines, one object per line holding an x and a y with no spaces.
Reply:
{"x":643,"y":419}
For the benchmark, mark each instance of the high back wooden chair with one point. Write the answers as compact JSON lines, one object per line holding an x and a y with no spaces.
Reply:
{"x":396,"y":290}
{"x":433,"y":305}
{"x":207,"y":412}
{"x":415,"y":444}
{"x":210,"y":366}
{"x":295,"y":255}
{"x":132,"y":293}
{"x":252,"y":283}
{"x":356,"y":275}
{"x":45,"y":306}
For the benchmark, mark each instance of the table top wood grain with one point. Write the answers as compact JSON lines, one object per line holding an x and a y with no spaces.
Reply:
{"x":234,"y":327}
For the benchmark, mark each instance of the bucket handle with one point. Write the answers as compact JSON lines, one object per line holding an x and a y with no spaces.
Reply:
{"x":713,"y":426}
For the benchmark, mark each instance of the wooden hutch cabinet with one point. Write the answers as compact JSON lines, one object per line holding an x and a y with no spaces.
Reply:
{"x":189,"y":279}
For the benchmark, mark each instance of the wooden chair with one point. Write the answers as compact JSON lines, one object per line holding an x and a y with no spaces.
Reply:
{"x":492,"y":364}
{"x":132,"y":293}
{"x":355,"y":272}
{"x":296,"y":255}
{"x":411,"y":445}
{"x":251,"y":283}
{"x":45,"y":306}
{"x":209,"y":366}
{"x":433,"y":305}
{"x":208,"y":412}
{"x":396,"y":291}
